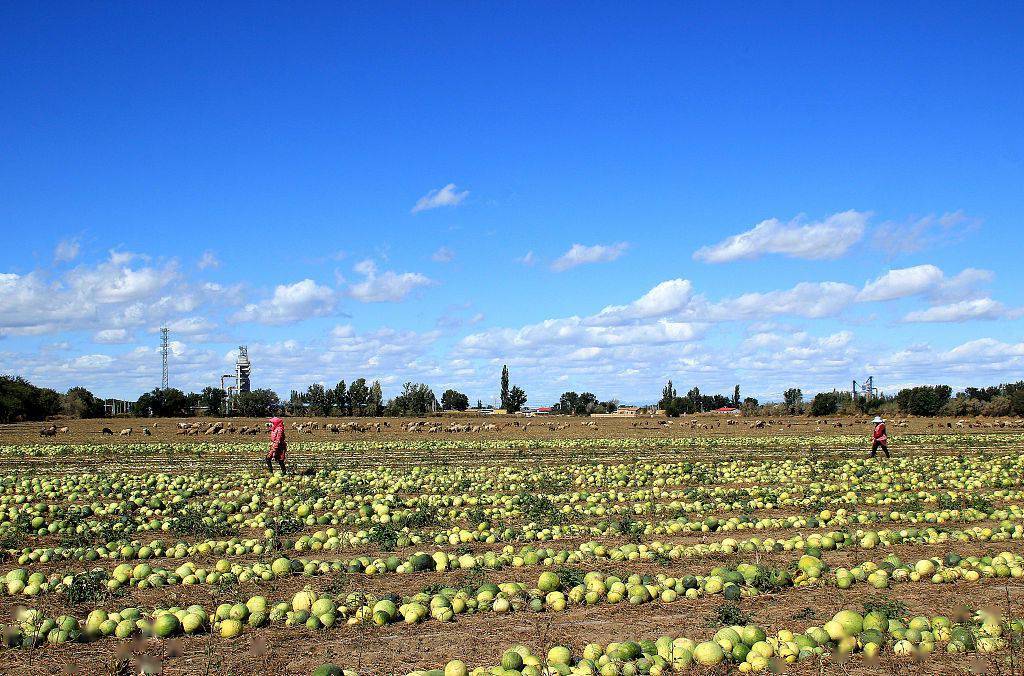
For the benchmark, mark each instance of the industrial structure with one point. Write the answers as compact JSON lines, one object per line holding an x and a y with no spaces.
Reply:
{"x":867,"y":389}
{"x":114,"y":407}
{"x":164,"y":351}
{"x":240,"y":378}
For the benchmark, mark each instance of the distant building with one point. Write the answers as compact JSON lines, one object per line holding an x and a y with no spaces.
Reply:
{"x":544,"y":410}
{"x":627,"y":410}
{"x":727,"y":410}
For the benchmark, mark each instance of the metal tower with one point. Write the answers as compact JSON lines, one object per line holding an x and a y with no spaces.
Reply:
{"x":164,"y":351}
{"x":243,"y":369}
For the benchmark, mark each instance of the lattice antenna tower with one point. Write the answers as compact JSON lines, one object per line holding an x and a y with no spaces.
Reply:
{"x":164,"y":351}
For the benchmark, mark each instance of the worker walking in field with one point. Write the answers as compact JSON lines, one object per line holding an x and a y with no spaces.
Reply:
{"x":278,"y":445}
{"x":879,"y":439}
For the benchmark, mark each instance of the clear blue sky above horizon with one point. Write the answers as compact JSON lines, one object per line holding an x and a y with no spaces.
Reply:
{"x":601,"y":196}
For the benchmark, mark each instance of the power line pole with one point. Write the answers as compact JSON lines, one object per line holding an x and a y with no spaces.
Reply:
{"x":164,"y":350}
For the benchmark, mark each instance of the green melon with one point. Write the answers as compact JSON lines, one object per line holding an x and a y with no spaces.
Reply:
{"x":166,"y":625}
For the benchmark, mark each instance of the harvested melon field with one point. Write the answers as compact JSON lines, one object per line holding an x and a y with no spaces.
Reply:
{"x":618,"y":548}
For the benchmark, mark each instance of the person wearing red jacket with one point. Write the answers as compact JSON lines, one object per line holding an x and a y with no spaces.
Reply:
{"x":879,"y":439}
{"x":278,"y":445}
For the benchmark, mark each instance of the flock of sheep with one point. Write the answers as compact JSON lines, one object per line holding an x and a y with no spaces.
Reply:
{"x":434,"y":427}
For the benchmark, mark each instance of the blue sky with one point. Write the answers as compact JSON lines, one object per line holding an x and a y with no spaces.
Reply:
{"x":602,"y":197}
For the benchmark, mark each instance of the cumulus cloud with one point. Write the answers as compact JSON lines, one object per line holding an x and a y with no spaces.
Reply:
{"x":982,"y":360}
{"x":777,"y":355}
{"x":573,"y":332}
{"x":579,"y":254}
{"x":111,"y":336}
{"x":66,"y":250}
{"x":443,"y":255}
{"x":447,"y":196}
{"x":668,"y":297}
{"x":965,"y":310}
{"x":927,"y":280}
{"x":901,"y":283}
{"x":387,"y":286}
{"x":83,"y":297}
{"x":191,"y":326}
{"x":830,"y":238}
{"x":968,"y":284}
{"x":290,"y":303}
{"x":208,"y":260}
{"x":806,"y":299}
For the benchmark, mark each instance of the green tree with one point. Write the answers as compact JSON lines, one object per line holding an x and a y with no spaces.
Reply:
{"x":416,"y":399}
{"x":1017,"y":402}
{"x":257,"y":403}
{"x":212,"y":398}
{"x":516,"y":399}
{"x":163,"y":403}
{"x":375,"y":400}
{"x":453,"y":400}
{"x":998,"y":406}
{"x":825,"y":403}
{"x":793,"y":398}
{"x":80,"y":403}
{"x":504,"y":387}
{"x":358,"y":396}
{"x":924,"y":400}
{"x":316,"y":397}
{"x":340,"y":398}
{"x":668,"y":393}
{"x":736,"y":397}
{"x":587,"y":404}
{"x":21,"y":400}
{"x":567,"y":403}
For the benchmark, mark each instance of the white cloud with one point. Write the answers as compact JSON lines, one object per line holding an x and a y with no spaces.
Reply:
{"x":963,"y":286}
{"x":922,"y":233}
{"x":901,"y":283}
{"x":830,"y":238}
{"x":387,"y":286}
{"x":290,"y":303}
{"x":447,"y":196}
{"x":112,"y":336}
{"x":527,"y":259}
{"x":84,"y":297}
{"x":979,"y":361}
{"x":208,"y":260}
{"x":66,"y":250}
{"x":965,"y":310}
{"x":806,"y":299}
{"x":666,"y":298}
{"x":443,"y":255}
{"x":926,"y":280}
{"x":191,"y":326}
{"x":580,"y":254}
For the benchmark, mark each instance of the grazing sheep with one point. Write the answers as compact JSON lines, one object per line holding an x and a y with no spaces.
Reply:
{"x":50,"y":431}
{"x":146,"y":432}
{"x":107,"y":431}
{"x":63,"y":430}
{"x":126,"y":432}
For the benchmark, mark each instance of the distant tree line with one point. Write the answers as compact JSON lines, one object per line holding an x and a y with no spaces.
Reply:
{"x":571,"y":403}
{"x":696,"y":402}
{"x":356,"y":399}
{"x":21,"y":400}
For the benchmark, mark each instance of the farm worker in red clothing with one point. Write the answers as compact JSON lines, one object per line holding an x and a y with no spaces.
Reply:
{"x":879,"y":439}
{"x":278,"y":445}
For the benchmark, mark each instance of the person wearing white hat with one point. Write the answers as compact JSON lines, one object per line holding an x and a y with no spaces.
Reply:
{"x":879,"y":439}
